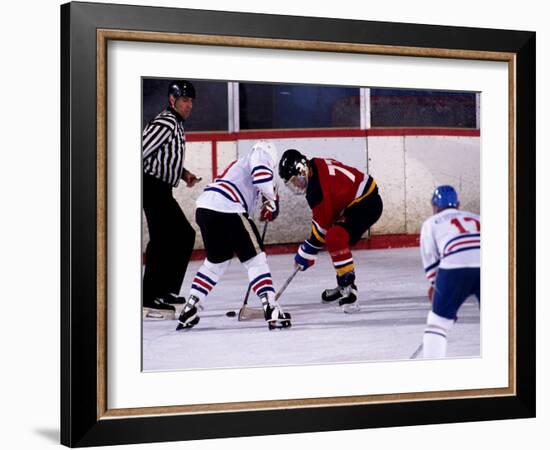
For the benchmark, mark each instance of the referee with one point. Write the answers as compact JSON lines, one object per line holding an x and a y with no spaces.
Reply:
{"x":171,"y":237}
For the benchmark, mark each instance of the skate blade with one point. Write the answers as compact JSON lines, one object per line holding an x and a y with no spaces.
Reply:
{"x":279,"y":325}
{"x":352,"y":308}
{"x":155,"y":314}
{"x":185,"y":326}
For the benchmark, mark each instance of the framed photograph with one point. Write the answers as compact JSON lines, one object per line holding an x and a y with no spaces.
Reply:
{"x":407,"y":115}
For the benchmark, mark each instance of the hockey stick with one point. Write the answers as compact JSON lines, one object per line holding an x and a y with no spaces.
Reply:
{"x":245,"y":302}
{"x":258,"y":313}
{"x":417,"y":351}
{"x":287,"y":282}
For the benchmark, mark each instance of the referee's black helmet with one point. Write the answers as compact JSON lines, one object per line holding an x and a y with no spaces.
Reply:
{"x":181,"y":88}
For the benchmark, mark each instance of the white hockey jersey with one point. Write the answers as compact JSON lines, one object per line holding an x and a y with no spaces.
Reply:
{"x":450,"y":239}
{"x":236,"y":190}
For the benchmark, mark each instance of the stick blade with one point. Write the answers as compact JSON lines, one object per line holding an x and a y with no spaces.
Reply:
{"x":248,"y":313}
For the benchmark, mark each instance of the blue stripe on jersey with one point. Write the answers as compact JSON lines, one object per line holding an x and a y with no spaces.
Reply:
{"x":462,"y":236}
{"x":473,"y":247}
{"x":220,"y":191}
{"x":261,"y":168}
{"x":234,"y":186}
{"x":434,"y":265}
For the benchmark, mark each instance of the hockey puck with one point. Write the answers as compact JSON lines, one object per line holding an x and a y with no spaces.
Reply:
{"x":230,"y":313}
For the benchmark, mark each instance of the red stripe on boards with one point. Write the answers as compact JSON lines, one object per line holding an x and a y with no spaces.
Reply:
{"x":374,"y":242}
{"x":328,"y":133}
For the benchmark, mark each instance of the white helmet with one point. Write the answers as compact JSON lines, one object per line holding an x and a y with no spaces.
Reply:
{"x":269,"y":148}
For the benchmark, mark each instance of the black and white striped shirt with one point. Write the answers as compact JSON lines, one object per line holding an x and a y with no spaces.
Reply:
{"x":164,"y":147}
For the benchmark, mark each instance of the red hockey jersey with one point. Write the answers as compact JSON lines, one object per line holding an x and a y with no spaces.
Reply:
{"x":333,"y":187}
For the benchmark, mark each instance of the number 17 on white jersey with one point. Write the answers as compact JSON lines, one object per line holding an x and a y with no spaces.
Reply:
{"x":450,"y":239}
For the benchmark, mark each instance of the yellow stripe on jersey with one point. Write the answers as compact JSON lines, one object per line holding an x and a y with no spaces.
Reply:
{"x":365,"y":195}
{"x":317,"y":234}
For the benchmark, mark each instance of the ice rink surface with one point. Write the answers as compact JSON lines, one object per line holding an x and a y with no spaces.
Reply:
{"x":389,"y":325}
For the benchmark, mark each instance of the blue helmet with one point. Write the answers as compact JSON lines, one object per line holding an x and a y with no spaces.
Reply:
{"x":445,"y":197}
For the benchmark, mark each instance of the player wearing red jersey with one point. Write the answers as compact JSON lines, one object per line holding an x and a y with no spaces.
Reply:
{"x":344,"y":202}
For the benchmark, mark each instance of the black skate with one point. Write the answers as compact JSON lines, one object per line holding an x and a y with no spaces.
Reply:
{"x":345,"y":296}
{"x":189,"y":316}
{"x":331,"y":295}
{"x":158,"y":309}
{"x":275,"y":317}
{"x":172,"y":299}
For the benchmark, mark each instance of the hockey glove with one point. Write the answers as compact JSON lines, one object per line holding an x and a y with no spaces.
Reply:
{"x":270,"y":209}
{"x":306,"y":256}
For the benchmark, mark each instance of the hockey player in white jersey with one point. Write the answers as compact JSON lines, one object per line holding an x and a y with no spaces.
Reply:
{"x":450,"y":249}
{"x":223,"y":215}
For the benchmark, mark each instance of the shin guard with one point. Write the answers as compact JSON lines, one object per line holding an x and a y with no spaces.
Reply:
{"x":207,"y":277}
{"x":435,"y":336}
{"x":259,"y":275}
{"x":337,"y":242}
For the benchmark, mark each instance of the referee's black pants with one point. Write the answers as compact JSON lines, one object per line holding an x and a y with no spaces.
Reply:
{"x":171,"y":240}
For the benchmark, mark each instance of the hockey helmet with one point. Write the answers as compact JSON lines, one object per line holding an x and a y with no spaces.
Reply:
{"x":293,"y":170}
{"x":269,"y":148}
{"x":181,"y":88}
{"x":445,"y":197}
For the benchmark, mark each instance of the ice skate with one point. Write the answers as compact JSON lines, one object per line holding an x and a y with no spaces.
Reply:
{"x":189,"y":316}
{"x":158,"y":309}
{"x":348,"y":299}
{"x":176,"y":301}
{"x":331,"y":295}
{"x":172,"y":299}
{"x":345,"y":296}
{"x":274,"y":315}
{"x":345,"y":293}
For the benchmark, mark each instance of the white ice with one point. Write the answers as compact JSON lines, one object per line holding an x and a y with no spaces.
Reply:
{"x":389,"y":326}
